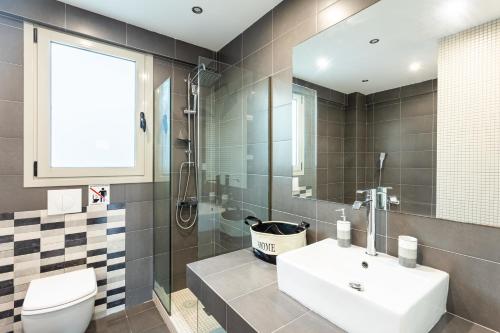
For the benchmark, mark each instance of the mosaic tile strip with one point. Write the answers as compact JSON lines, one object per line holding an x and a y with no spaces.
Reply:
{"x":468,"y":139}
{"x":35,"y":245}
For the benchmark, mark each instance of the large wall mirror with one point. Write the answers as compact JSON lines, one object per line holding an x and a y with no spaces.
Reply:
{"x":404,"y":94}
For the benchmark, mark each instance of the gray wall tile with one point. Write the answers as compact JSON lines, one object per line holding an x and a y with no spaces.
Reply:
{"x":282,"y":46}
{"x":418,"y":89}
{"x":139,"y":244}
{"x":257,"y":66}
{"x":11,"y":119}
{"x":289,"y":13}
{"x":467,"y":239}
{"x":14,"y":197}
{"x":232,"y":52}
{"x":138,"y":296}
{"x":117,"y":193}
{"x":419,"y":105}
{"x":11,"y":82}
{"x":190,"y":53}
{"x":258,"y":34}
{"x":340,"y":10}
{"x":150,"y":41}
{"x":10,"y":21}
{"x":139,"y":274}
{"x":92,"y":24}
{"x":139,"y":192}
{"x":45,"y":11}
{"x":11,"y":152}
{"x":13,"y":37}
{"x":139,"y":215}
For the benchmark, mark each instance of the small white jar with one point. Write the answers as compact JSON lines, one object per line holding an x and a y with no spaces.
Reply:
{"x":407,"y":251}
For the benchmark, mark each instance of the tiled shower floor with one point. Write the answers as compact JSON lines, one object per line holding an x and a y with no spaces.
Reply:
{"x":188,"y":315}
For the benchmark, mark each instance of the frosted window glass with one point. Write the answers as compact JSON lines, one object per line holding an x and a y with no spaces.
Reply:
{"x":92,"y":109}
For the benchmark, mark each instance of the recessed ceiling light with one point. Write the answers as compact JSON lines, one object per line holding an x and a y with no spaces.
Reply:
{"x":322,"y":63}
{"x":374,"y":41}
{"x":415,"y":66}
{"x":365,"y":80}
{"x":197,"y":10}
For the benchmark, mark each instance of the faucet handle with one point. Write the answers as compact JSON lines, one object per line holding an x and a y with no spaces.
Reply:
{"x":393,"y":200}
{"x":362,"y":191}
{"x":385,"y":187}
{"x":357,"y":205}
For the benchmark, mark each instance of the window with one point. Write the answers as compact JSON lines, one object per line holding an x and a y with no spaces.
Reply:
{"x":298,"y":114}
{"x":87,"y":106}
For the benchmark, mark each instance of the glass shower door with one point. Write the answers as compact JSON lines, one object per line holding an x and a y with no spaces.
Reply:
{"x":161,"y":204}
{"x":234,"y":168}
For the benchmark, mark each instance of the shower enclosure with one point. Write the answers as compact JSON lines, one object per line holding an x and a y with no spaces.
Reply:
{"x":234,"y":157}
{"x":221,"y":150}
{"x":161,"y":191}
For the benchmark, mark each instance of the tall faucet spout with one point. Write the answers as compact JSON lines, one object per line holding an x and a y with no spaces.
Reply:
{"x":371,"y":223}
{"x":375,"y":198}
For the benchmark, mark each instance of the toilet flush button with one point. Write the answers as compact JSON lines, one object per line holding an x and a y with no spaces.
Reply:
{"x":64,"y":201}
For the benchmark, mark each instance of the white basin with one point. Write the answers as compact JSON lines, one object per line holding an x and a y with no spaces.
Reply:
{"x":393,"y":299}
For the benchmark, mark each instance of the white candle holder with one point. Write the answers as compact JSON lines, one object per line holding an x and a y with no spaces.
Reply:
{"x":407,"y":251}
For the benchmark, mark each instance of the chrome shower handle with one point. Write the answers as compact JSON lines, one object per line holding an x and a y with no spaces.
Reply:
{"x":362,"y":191}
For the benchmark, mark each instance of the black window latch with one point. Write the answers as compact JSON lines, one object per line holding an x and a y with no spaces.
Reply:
{"x":142,"y":122}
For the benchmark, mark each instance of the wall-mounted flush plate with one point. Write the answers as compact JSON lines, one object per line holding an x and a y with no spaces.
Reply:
{"x":64,"y":201}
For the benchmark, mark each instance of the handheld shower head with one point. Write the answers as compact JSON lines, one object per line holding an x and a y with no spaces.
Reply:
{"x":381,"y":160}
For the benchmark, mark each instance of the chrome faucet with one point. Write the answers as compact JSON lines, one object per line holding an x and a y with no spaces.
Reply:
{"x":375,"y":198}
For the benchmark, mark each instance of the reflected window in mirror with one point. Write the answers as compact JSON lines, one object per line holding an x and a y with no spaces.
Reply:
{"x":304,"y":106}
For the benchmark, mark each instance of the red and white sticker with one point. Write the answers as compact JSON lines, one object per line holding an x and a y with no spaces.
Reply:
{"x":99,"y":195}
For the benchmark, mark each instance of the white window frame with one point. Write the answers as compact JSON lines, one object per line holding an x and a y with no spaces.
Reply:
{"x":298,"y":167}
{"x":37,"y":113}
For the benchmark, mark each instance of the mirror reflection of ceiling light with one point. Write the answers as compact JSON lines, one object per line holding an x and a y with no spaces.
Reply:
{"x":415,"y":66}
{"x":322,"y":63}
{"x":454,"y":10}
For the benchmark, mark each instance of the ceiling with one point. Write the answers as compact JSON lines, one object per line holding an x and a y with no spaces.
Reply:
{"x":409,"y":31}
{"x":220,"y":22}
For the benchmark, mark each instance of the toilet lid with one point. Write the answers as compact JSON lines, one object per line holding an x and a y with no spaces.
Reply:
{"x":59,"y":289}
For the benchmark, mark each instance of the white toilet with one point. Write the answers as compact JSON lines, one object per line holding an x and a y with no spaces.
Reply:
{"x":61,"y":303}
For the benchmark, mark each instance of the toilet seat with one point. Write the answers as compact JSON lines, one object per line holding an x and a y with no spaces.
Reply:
{"x":57,"y":292}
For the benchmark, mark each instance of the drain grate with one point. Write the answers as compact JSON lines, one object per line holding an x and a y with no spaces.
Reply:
{"x":356,"y":285}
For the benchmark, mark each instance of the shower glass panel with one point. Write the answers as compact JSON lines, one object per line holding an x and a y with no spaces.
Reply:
{"x":161,"y":205}
{"x":234,"y":166}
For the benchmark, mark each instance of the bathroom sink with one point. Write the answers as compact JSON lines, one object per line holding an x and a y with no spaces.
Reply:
{"x":362,"y":293}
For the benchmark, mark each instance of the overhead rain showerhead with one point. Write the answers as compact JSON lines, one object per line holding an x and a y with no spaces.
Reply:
{"x":208,"y":77}
{"x":206,"y":74}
